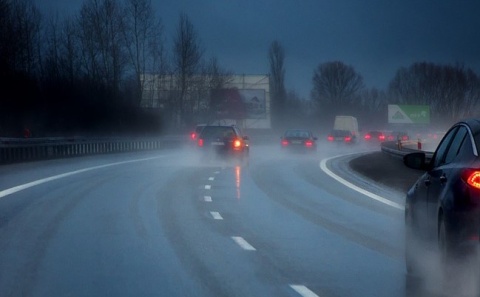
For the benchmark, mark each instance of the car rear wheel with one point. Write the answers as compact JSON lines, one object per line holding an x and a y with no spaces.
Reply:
{"x":411,"y":242}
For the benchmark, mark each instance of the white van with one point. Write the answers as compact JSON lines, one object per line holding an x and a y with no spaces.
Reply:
{"x":347,"y":123}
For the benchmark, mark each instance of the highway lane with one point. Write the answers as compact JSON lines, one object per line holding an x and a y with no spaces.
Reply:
{"x":167,"y":224}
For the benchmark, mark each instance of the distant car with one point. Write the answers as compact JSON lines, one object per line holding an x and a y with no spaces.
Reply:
{"x":442,"y":209}
{"x":195,"y":133}
{"x":341,"y":136}
{"x":223,"y":141}
{"x":299,"y":140}
{"x":374,"y":136}
{"x":397,"y":135}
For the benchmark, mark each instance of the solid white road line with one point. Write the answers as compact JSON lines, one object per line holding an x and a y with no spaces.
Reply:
{"x":208,"y":187}
{"x":216,"y":215}
{"x":207,"y":198}
{"x":304,"y":291}
{"x":211,"y":178}
{"x":19,"y":188}
{"x":243,"y":243}
{"x":323,"y":166}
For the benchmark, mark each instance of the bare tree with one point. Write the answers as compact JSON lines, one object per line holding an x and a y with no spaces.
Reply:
{"x":450,"y":91}
{"x":142,"y":33}
{"x":187,"y":56}
{"x":335,"y":86}
{"x":100,"y":27}
{"x":21,"y":38}
{"x":276,"y":56}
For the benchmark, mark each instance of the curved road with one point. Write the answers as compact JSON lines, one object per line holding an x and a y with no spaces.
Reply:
{"x":167,"y":224}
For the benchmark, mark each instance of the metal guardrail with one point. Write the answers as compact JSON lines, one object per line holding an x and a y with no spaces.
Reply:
{"x":392,"y":148}
{"x":14,"y":150}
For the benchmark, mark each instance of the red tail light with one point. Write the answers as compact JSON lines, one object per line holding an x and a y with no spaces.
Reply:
{"x":472,"y":177}
{"x":368,"y":137}
{"x":200,"y":142}
{"x":284,"y":142}
{"x":381,"y":137}
{"x":404,"y":137}
{"x":308,"y":143}
{"x":237,"y":143}
{"x":193,"y":136}
{"x":348,"y":138}
{"x":330,"y":138}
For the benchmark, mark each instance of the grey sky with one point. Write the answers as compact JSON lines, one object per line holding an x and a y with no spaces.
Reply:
{"x":376,"y":37}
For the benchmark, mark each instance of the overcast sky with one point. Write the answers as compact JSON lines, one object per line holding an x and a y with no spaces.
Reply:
{"x":376,"y":37}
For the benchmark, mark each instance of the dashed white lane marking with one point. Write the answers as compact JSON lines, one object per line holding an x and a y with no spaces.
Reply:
{"x":211,"y":178}
{"x":304,"y":291}
{"x":216,"y":215}
{"x":323,"y":166}
{"x":216,"y":172}
{"x":207,"y":198}
{"x":19,"y":188}
{"x":208,"y":187}
{"x":243,"y":243}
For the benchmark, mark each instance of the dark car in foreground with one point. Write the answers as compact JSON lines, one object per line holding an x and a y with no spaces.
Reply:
{"x":299,"y":140}
{"x":223,"y":141}
{"x":442,"y":209}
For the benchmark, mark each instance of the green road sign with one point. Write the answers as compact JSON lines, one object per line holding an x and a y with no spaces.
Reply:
{"x":408,"y":114}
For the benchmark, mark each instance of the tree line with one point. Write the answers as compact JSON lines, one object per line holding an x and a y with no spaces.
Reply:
{"x":451,"y":91}
{"x":83,"y":74}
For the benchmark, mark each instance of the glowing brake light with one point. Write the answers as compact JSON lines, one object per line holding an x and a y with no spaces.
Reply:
{"x":368,"y":136}
{"x":284,"y":142}
{"x":193,"y":135}
{"x":404,"y":137}
{"x":348,"y":138}
{"x":308,"y":143}
{"x":381,"y":137}
{"x":472,"y":177}
{"x":330,"y":138}
{"x":237,"y":143}
{"x":200,"y":142}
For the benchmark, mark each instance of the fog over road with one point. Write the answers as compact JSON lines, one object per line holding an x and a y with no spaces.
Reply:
{"x":167,"y":223}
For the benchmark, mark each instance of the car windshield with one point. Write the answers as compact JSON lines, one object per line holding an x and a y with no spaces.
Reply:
{"x":239,"y":147}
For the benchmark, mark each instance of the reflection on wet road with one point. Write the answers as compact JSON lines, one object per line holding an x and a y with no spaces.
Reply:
{"x":169,"y":224}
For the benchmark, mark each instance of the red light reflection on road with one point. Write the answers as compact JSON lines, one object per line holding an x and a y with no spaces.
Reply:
{"x":238,"y":171}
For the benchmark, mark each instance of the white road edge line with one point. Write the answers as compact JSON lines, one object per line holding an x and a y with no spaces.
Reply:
{"x":19,"y":188}
{"x":304,"y":291}
{"x":216,"y":215}
{"x":207,"y":198}
{"x":243,"y":243}
{"x":211,"y":178}
{"x":323,"y":166}
{"x":208,"y":187}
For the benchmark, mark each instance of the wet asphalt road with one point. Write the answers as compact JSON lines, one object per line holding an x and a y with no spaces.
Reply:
{"x":167,"y":223}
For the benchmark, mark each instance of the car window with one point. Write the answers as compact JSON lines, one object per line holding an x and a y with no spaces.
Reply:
{"x":455,"y":145}
{"x":217,"y":131}
{"x":465,"y":152}
{"x":442,"y":148}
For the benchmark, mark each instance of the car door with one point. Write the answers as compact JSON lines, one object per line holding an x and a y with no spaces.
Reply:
{"x":441,"y":172}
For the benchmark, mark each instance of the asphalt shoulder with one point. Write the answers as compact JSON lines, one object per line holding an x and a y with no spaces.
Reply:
{"x":386,"y":170}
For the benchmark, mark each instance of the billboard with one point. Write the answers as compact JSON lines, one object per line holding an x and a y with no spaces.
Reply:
{"x":239,"y":103}
{"x":408,"y":114}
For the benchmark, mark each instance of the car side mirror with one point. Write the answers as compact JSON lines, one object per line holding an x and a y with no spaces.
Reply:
{"x":415,"y":161}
